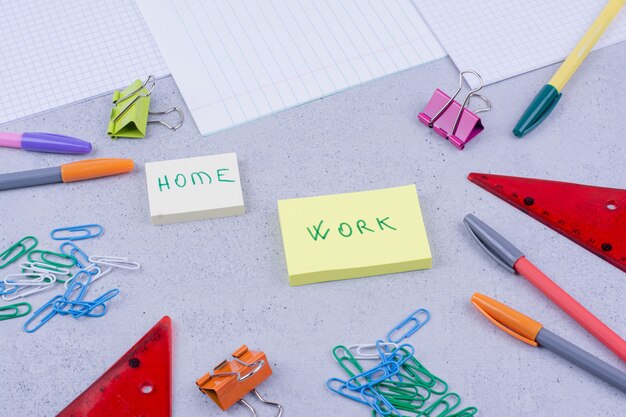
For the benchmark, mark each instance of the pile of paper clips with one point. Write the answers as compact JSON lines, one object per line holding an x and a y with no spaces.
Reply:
{"x":46,"y":269}
{"x":398,"y":382}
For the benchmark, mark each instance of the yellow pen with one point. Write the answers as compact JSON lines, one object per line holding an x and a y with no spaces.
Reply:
{"x":549,"y":95}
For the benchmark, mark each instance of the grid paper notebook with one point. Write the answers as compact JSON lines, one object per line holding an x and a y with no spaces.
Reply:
{"x":240,"y":60}
{"x":53,"y":53}
{"x":503,"y":38}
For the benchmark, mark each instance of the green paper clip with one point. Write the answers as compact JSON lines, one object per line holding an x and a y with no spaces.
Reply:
{"x":131,"y":106}
{"x":61,"y":260}
{"x":14,"y":311}
{"x":17,"y":250}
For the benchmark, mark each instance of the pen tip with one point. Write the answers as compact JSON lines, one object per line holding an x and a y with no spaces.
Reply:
{"x":518,"y":133}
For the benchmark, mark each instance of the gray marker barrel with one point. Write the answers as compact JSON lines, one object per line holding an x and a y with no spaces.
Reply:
{"x":29,"y":178}
{"x":583,"y":359}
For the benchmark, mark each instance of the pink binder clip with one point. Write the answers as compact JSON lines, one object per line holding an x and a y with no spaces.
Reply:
{"x":452,"y":120}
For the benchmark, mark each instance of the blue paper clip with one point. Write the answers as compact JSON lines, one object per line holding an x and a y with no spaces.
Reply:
{"x":4,"y":291}
{"x":81,"y":232}
{"x":397,"y":357}
{"x":387,"y":355}
{"x":74,"y":252}
{"x":76,"y":284}
{"x":73,"y":303}
{"x":379,"y":403}
{"x":40,"y":311}
{"x":77,"y":308}
{"x":98,"y":302}
{"x":383,"y":349}
{"x":340,"y":390}
{"x":417,"y":324}
{"x":107,"y":296}
{"x":373,"y":376}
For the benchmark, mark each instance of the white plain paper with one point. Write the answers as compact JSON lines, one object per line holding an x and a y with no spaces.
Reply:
{"x":236,"y":61}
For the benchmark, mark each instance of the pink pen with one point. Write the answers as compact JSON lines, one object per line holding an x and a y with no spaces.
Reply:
{"x":512,"y":259}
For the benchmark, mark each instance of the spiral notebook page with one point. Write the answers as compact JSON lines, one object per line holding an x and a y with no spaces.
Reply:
{"x":502,"y":39}
{"x":58,"y":52}
{"x":240,"y":60}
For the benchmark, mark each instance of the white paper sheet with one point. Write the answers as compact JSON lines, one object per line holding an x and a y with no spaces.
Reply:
{"x":240,"y":60}
{"x":57,"y":52}
{"x":503,"y":38}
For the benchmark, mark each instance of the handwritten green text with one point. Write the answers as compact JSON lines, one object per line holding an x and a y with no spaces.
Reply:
{"x":195,"y":178}
{"x":346,"y":229}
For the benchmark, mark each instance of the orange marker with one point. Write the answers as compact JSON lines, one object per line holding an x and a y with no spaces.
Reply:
{"x":75,"y":171}
{"x":532,"y":332}
{"x":512,"y":259}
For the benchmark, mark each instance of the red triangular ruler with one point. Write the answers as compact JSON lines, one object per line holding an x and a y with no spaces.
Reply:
{"x":138,"y":384}
{"x":593,"y":217}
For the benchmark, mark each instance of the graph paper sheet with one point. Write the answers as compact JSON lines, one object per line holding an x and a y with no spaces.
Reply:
{"x":53,"y":53}
{"x":504,"y":38}
{"x":240,"y":60}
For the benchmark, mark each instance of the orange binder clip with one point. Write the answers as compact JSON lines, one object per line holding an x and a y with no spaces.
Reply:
{"x":233,"y":380}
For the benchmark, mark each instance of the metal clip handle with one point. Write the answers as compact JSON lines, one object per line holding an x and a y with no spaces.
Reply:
{"x":176,"y":109}
{"x":151,"y":80}
{"x":263,"y":400}
{"x":465,"y":101}
{"x":258,"y":365}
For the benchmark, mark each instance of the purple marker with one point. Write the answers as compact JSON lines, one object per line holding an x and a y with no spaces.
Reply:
{"x":44,"y":142}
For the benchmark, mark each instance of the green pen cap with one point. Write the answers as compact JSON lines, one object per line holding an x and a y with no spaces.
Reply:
{"x":539,"y":109}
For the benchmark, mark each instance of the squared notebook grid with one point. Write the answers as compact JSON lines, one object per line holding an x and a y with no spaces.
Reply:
{"x":500,"y":43}
{"x":57,"y":54}
{"x":260,"y":57}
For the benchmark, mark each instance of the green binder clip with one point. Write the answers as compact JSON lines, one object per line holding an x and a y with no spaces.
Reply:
{"x":131,"y":107}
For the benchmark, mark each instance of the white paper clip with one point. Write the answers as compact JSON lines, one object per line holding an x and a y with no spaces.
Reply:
{"x":96,"y":275}
{"x":367,"y":351}
{"x":44,"y":268}
{"x":29,"y":279}
{"x":114,"y":261}
{"x":22,"y":294}
{"x":41,"y":283}
{"x":102,"y":273}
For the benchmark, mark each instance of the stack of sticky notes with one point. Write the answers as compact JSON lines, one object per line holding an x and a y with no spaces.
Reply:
{"x":197,"y":188}
{"x":353,"y":235}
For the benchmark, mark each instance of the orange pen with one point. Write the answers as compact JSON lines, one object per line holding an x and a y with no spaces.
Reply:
{"x":532,"y":332}
{"x":75,"y":171}
{"x":513,"y":260}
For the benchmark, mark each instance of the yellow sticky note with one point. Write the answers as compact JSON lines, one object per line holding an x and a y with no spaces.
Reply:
{"x":353,"y":235}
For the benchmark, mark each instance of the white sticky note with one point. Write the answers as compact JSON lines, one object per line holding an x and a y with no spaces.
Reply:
{"x":196,"y":188}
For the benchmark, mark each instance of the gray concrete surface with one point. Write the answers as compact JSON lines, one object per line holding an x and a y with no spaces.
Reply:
{"x":224,"y":281}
